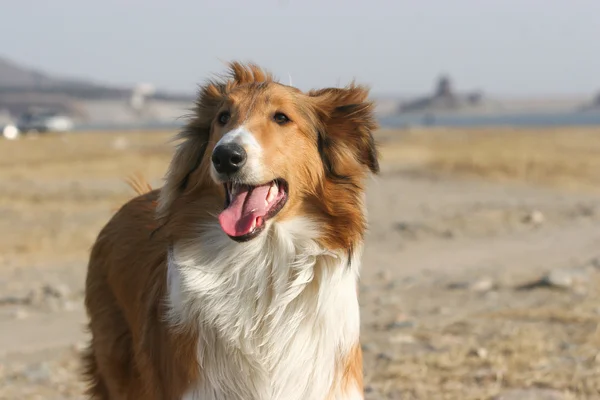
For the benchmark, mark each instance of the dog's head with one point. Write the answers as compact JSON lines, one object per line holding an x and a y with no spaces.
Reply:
{"x":272,"y":152}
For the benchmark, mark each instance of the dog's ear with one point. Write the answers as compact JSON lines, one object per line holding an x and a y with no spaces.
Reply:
{"x":189,"y":158}
{"x":347,"y":123}
{"x":186,"y":160}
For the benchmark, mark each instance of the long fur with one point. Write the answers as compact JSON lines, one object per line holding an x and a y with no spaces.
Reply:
{"x":178,"y":310}
{"x":267,"y":313}
{"x":139,"y":185}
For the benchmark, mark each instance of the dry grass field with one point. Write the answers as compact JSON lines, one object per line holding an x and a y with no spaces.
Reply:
{"x":481,"y":275}
{"x":564,"y":158}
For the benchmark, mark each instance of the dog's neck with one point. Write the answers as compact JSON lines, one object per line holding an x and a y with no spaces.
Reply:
{"x":274,"y":315}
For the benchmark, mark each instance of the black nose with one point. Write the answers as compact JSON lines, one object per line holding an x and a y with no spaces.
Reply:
{"x":229,"y":158}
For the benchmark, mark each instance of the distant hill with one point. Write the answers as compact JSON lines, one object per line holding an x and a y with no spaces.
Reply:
{"x":13,"y":75}
{"x":15,"y":78}
{"x":23,"y":88}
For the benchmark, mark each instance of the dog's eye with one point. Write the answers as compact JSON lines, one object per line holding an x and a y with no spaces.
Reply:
{"x":281,"y":118}
{"x":224,"y":118}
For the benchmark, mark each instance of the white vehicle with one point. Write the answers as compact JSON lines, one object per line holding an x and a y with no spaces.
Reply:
{"x":10,"y":132}
{"x":44,"y":122}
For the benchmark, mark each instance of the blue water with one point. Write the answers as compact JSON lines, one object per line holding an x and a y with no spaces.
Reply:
{"x":514,"y":120}
{"x":401,"y":121}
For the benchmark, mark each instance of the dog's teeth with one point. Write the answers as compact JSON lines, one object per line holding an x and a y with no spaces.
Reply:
{"x":272,"y":193}
{"x":253,"y":225}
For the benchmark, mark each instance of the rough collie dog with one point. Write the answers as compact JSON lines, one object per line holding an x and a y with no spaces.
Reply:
{"x":237,"y":280}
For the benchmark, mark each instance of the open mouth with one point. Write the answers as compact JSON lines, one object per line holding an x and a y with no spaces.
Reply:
{"x":248,"y":208}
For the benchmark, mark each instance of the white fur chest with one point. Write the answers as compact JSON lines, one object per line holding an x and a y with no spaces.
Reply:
{"x":274,"y":315}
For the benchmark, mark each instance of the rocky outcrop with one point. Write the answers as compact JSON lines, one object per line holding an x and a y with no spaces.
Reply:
{"x":445,"y":99}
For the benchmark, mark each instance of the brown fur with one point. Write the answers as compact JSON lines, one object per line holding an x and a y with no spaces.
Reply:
{"x":352,"y":371}
{"x":332,"y":142}
{"x":325,"y":153}
{"x":132,"y":354}
{"x":138,"y":184}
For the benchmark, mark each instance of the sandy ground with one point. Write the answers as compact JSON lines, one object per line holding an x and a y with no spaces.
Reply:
{"x":475,"y":285}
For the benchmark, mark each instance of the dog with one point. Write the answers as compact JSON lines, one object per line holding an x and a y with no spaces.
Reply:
{"x":238,"y":278}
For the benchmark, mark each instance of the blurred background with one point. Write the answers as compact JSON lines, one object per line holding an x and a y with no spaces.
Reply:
{"x":481,"y":275}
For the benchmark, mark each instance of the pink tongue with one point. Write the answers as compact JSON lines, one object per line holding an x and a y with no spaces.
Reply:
{"x":245,"y":207}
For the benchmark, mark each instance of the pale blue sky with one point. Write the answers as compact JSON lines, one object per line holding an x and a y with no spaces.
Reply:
{"x":505,"y":47}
